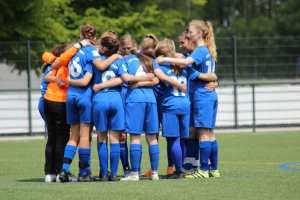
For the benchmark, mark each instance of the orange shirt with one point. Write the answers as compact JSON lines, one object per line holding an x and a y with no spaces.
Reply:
{"x":55,"y":93}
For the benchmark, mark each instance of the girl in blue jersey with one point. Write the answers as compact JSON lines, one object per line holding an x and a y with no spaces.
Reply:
{"x":191,"y":161}
{"x":176,"y":106}
{"x":205,"y":102}
{"x":79,"y":105}
{"x":141,"y":111}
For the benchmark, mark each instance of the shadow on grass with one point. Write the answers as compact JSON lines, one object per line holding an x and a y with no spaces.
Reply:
{"x":32,"y":180}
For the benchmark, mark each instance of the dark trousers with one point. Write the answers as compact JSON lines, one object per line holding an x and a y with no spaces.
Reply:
{"x":58,"y":135}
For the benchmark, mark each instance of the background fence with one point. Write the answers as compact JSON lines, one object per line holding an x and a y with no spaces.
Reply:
{"x":259,"y":85}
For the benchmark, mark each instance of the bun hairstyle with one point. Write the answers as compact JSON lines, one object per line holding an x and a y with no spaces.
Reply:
{"x":88,"y":31}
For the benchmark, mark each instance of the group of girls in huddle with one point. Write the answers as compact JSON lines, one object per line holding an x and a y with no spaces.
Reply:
{"x":122,"y":91}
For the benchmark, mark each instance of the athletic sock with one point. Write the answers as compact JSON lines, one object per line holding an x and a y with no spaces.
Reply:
{"x":103,"y":157}
{"x":154,"y":156}
{"x":89,"y":167}
{"x":176,"y":152}
{"x":191,"y":148}
{"x":114,"y":157}
{"x":124,"y":156}
{"x":205,"y":149}
{"x":183,"y":149}
{"x":169,"y":156}
{"x":214,"y":158}
{"x":69,"y":154}
{"x":84,"y":154}
{"x":135,"y":157}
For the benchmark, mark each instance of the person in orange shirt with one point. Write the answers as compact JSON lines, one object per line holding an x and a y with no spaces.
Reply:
{"x":55,"y":112}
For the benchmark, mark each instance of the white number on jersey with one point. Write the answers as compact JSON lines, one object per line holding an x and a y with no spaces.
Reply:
{"x":180,"y":80}
{"x":107,"y":75}
{"x":140,"y":71}
{"x":74,"y":68}
{"x":210,"y":66}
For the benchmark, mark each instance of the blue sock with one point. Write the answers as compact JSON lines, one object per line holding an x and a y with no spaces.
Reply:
{"x":169,"y":156}
{"x":89,"y":167}
{"x":141,"y":157}
{"x":183,"y":149}
{"x":176,"y":152}
{"x":114,"y":157}
{"x":135,"y":157}
{"x":124,"y":156}
{"x":154,"y":156}
{"x":84,"y":154}
{"x":205,"y":149}
{"x":191,"y":148}
{"x":103,"y":157}
{"x":214,"y":158}
{"x":70,"y":152}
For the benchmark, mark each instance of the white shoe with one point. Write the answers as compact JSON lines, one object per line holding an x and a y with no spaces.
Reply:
{"x":57,"y":179}
{"x":127,"y":173}
{"x":50,"y":178}
{"x":154,"y":176}
{"x":131,"y":178}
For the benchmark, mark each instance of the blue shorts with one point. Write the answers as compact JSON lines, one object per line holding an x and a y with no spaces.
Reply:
{"x":205,"y":113}
{"x":141,"y":118}
{"x":41,"y":109}
{"x":79,"y":109}
{"x":175,"y":125}
{"x":108,"y":111}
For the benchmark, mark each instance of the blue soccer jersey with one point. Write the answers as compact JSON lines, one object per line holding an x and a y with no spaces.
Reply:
{"x":175,"y":101}
{"x":80,"y":64}
{"x":44,"y":84}
{"x":133,"y":66}
{"x":204,"y":64}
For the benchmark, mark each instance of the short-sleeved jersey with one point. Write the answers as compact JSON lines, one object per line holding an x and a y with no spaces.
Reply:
{"x":110,"y":73}
{"x":80,"y":64}
{"x":204,"y":64}
{"x":44,"y":84}
{"x":175,"y":101}
{"x":133,"y":66}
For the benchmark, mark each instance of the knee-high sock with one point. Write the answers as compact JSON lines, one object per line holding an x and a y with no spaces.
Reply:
{"x":124,"y":156}
{"x":141,"y":157}
{"x":154,"y":156}
{"x":214,"y":158}
{"x":114,"y":157}
{"x":84,"y":154}
{"x":103,"y":157}
{"x":191,"y":148}
{"x":176,"y":152}
{"x":135,"y":157}
{"x":69,"y":154}
{"x":183,"y":149}
{"x":169,"y":156}
{"x":205,"y":149}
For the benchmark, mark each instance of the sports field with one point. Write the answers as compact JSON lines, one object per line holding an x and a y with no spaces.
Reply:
{"x":262,"y":165}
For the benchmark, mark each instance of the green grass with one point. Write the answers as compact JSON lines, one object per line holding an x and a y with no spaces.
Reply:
{"x":248,"y":163}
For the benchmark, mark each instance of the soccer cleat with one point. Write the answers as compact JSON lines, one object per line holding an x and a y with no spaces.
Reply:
{"x":50,"y":178}
{"x":198,"y":174}
{"x":103,"y":178}
{"x":170,"y":170}
{"x":131,"y":178}
{"x":113,"y":177}
{"x":100,"y":173}
{"x":86,"y":178}
{"x":176,"y":175}
{"x":67,"y":176}
{"x":214,"y":173}
{"x":127,"y":173}
{"x":154,"y":176}
{"x":194,"y":169}
{"x":89,"y":172}
{"x":147,"y":173}
{"x":57,"y":179}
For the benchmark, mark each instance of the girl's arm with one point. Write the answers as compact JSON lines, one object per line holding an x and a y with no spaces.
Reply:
{"x":50,"y":78}
{"x":81,"y":82}
{"x":212,"y":85}
{"x":104,"y":64}
{"x":208,"y":77}
{"x":108,"y":84}
{"x":151,"y":83}
{"x":177,"y":61}
{"x":131,"y":78}
{"x":161,"y":75}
